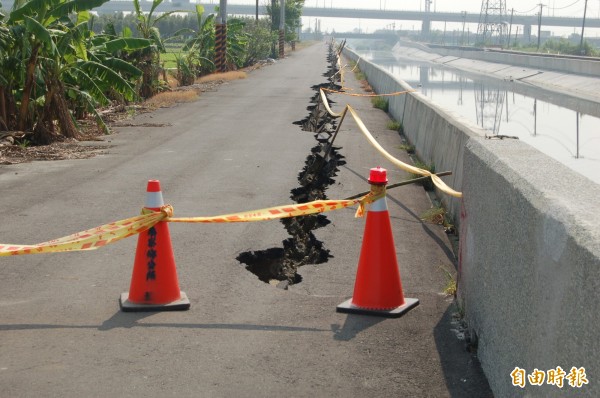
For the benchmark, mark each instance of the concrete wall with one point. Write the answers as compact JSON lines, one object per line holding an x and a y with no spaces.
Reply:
{"x":567,"y":65}
{"x":529,"y":261}
{"x":439,"y":136}
{"x":529,"y":265}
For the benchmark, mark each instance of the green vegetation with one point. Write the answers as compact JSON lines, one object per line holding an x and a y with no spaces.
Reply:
{"x":293,"y":11}
{"x":427,"y":184}
{"x":148,"y":59}
{"x":24,"y":143}
{"x":395,"y":125}
{"x":357,"y":72}
{"x":451,"y":286}
{"x":438,"y":215}
{"x":53,"y":69}
{"x":380,"y":103}
{"x":434,"y":215}
{"x":408,"y":148}
{"x":60,"y":63}
{"x":561,"y":46}
{"x":169,"y":58}
{"x":260,"y":38}
{"x":373,"y":45}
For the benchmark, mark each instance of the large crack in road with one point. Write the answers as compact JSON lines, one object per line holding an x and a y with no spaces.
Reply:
{"x":280,"y":265}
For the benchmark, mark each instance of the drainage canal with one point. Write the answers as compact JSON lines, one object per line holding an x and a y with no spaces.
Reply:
{"x":302,"y":247}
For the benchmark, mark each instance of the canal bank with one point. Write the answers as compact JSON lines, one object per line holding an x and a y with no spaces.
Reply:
{"x":577,"y":78}
{"x":509,"y":101}
{"x":529,"y":257}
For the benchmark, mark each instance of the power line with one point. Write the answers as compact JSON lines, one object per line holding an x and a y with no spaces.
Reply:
{"x":562,"y":8}
{"x":528,"y":11}
{"x":547,"y":6}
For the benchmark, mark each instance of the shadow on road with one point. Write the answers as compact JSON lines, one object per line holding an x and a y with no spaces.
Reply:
{"x":462,"y":370}
{"x":353,"y":325}
{"x":131,"y":320}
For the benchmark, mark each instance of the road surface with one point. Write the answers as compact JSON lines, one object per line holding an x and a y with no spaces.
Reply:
{"x":62,"y":333}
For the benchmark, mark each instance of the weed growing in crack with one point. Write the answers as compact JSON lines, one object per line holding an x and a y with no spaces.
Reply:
{"x":380,"y":103}
{"x":427,"y":184}
{"x":396,"y":126}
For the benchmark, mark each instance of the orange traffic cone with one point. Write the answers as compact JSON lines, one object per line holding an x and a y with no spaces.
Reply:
{"x":154,"y":284}
{"x":378,"y":289}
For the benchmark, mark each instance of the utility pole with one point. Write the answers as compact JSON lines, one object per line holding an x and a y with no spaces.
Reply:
{"x":577,"y":121}
{"x":539,"y":26}
{"x":512,"y":12}
{"x":256,"y":10}
{"x":581,"y":50}
{"x":462,"y":37}
{"x":274,"y":28}
{"x":221,"y":38}
{"x":426,"y":25}
{"x":282,"y":29}
{"x":535,"y":117}
{"x":444,"y":36}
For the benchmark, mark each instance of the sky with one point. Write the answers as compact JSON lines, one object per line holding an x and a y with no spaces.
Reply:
{"x":569,"y":8}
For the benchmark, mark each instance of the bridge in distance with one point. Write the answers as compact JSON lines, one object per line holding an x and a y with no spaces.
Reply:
{"x":323,"y":12}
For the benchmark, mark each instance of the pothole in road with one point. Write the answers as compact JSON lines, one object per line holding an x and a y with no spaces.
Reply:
{"x":279,"y":266}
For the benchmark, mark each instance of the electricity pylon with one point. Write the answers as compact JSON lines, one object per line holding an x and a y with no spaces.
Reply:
{"x":492,"y":22}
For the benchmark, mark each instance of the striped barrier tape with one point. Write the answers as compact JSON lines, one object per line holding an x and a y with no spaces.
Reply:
{"x":109,"y":233}
{"x":88,"y":240}
{"x":367,"y":95}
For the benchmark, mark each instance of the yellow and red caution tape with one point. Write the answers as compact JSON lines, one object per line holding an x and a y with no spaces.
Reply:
{"x":88,"y":240}
{"x":366,"y":95}
{"x":272,"y":213}
{"x":109,"y":233}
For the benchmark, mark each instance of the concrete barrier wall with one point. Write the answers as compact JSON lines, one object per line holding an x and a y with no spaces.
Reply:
{"x":529,"y":260}
{"x":439,"y":136}
{"x":530,"y":266}
{"x":577,"y":66}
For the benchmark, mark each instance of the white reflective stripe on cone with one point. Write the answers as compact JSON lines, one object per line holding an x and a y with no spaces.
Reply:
{"x":154,"y":199}
{"x":379,"y":205}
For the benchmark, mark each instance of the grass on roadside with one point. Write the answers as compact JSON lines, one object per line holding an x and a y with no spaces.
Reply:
{"x":395,"y":125}
{"x":408,"y":148}
{"x":380,"y":103}
{"x":227,"y":76}
{"x":169,"y":59}
{"x":427,"y":184}
{"x":170,"y":98}
{"x":437,"y":215}
{"x":451,"y":286}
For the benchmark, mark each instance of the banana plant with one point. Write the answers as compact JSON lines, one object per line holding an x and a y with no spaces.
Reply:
{"x":202,"y":41}
{"x":237,"y":43}
{"x":38,"y":16}
{"x":64,"y":64}
{"x":149,"y":59}
{"x":94,"y":71}
{"x":7,"y":42}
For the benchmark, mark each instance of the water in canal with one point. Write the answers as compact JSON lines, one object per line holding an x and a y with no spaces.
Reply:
{"x":564,"y":133}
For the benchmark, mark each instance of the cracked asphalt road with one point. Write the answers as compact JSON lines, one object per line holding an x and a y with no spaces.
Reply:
{"x":61,"y":331}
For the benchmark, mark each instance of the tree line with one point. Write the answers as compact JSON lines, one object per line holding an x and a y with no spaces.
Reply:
{"x":60,"y":62}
